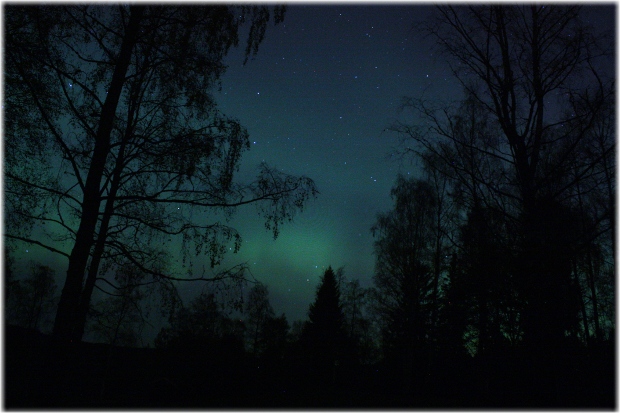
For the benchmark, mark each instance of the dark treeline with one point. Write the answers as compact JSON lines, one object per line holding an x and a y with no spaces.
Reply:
{"x":359,"y":348}
{"x":504,"y":248}
{"x":495,"y":269}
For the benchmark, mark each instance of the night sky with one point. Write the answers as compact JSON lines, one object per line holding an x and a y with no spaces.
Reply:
{"x":315,"y":100}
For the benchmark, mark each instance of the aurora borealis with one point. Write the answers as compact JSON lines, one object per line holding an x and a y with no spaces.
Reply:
{"x":316,"y":100}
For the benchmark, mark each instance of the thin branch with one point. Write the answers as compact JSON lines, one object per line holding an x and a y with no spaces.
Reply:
{"x":30,"y":241}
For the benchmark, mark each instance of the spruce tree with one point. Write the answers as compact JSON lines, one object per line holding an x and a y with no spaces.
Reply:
{"x":323,"y":335}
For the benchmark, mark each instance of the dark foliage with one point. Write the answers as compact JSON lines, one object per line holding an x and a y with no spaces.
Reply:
{"x":30,"y":302}
{"x":494,"y":278}
{"x":519,"y":287}
{"x":43,"y":373}
{"x":322,"y":342}
{"x":120,"y":99}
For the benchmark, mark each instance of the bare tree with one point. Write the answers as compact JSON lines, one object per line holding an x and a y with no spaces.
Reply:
{"x":404,"y":277}
{"x":118,"y":318}
{"x":203,"y":323}
{"x":142,"y":153}
{"x":535,"y":91}
{"x":31,"y":300}
{"x":258,"y":312}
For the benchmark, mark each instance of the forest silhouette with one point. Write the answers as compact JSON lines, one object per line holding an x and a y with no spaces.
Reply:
{"x":494,"y":272}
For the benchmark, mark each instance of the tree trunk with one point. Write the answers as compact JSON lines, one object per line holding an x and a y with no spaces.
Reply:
{"x":590,"y":272}
{"x":93,"y":269}
{"x":582,"y":306}
{"x":592,"y":285}
{"x":65,"y":325}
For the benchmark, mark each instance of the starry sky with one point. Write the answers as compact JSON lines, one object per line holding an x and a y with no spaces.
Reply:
{"x":316,"y":100}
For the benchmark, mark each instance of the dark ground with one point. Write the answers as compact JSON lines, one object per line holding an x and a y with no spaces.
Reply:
{"x":41,"y":374}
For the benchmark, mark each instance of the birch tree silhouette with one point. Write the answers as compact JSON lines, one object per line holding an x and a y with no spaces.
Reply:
{"x":121,"y":99}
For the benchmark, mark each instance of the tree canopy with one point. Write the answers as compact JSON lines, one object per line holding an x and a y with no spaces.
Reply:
{"x":126,"y":149}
